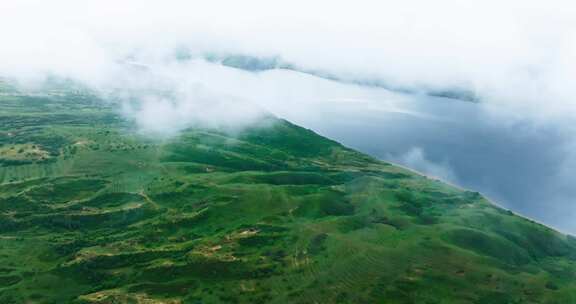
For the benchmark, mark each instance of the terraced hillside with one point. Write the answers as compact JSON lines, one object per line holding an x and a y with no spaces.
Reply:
{"x":91,"y":212}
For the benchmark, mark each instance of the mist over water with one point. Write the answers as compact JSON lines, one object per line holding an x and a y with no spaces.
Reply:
{"x":519,"y":165}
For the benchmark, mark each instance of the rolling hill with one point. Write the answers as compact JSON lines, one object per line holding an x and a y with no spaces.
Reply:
{"x":93,"y":212}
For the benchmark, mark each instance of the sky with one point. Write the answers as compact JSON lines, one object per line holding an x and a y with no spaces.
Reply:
{"x":517,"y":144}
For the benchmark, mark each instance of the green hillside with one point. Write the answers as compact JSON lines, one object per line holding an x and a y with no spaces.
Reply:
{"x":91,"y":212}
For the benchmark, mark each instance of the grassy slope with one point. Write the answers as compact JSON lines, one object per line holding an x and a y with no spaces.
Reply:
{"x":276,"y":214}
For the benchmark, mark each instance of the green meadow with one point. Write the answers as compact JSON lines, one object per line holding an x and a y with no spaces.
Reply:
{"x":91,"y":211}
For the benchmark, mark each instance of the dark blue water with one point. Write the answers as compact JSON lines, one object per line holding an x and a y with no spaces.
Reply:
{"x":519,"y":164}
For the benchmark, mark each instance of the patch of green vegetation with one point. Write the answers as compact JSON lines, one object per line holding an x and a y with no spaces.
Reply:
{"x":22,"y":154}
{"x":488,"y":245}
{"x":324,"y":203}
{"x":91,"y":212}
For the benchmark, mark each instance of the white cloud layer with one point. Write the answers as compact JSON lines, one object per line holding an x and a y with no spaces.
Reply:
{"x":519,"y":54}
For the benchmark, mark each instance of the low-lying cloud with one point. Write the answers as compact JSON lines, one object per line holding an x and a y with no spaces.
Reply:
{"x":514,"y":52}
{"x":416,"y":159}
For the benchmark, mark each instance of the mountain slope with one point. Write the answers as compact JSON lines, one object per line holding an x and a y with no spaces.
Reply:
{"x":91,"y":212}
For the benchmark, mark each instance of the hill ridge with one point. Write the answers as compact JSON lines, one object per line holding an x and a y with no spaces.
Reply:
{"x":91,"y":212}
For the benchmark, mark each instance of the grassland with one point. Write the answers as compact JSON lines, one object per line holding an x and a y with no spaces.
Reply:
{"x":92,"y":212}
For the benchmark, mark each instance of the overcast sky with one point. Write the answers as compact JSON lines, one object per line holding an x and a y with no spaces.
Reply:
{"x":517,"y":145}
